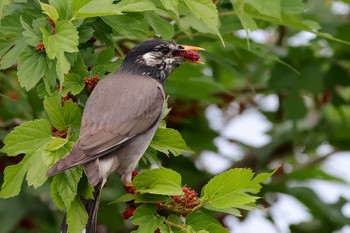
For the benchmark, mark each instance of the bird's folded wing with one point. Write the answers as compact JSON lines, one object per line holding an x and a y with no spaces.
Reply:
{"x":110,"y":121}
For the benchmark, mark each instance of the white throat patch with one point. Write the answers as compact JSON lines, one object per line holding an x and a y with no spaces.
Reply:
{"x":150,"y":59}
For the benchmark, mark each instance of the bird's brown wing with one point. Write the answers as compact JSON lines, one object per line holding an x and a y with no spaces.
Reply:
{"x":118,"y":109}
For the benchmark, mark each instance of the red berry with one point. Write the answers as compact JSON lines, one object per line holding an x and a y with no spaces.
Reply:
{"x":40,"y":47}
{"x":52,"y":23}
{"x":129,"y":212}
{"x":159,"y":205}
{"x":188,"y":55}
{"x":134,"y":173}
{"x":129,"y":189}
{"x":157,"y":230}
{"x":176,"y":198}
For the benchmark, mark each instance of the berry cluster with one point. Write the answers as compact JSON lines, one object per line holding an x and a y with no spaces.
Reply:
{"x":131,"y":207}
{"x":40,"y":47}
{"x":179,"y":204}
{"x":182,"y":204}
{"x":90,"y":83}
{"x":188,"y":55}
{"x":69,"y":96}
{"x":59,"y":133}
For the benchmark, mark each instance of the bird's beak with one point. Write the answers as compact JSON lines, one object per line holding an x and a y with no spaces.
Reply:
{"x":192,"y":48}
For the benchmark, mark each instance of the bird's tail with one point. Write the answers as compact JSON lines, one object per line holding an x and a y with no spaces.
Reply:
{"x":91,"y":207}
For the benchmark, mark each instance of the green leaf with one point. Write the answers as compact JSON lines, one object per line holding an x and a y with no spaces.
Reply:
{"x":56,"y":144}
{"x":169,"y":141}
{"x":160,"y":26}
{"x":64,"y":187}
{"x":201,"y":221}
{"x":61,"y":117}
{"x":145,"y":217}
{"x":132,"y":27}
{"x":50,"y":11}
{"x":12,"y":55}
{"x":230,"y":189}
{"x":50,"y":157}
{"x":294,"y":106}
{"x":207,"y":12}
{"x":27,"y":138}
{"x":246,"y":20}
{"x":77,"y":217}
{"x":2,"y":4}
{"x":135,"y":6}
{"x":231,"y":211}
{"x":161,"y":181}
{"x":96,"y":8}
{"x":63,"y":8}
{"x":13,"y":178}
{"x":171,"y":5}
{"x":292,"y":6}
{"x":32,"y":66}
{"x":73,"y":83}
{"x":78,"y":4}
{"x":65,"y":39}
{"x":36,"y":175}
{"x":33,"y":36}
{"x":267,"y":7}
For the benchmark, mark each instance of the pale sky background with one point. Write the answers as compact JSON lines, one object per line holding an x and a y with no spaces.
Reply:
{"x":287,"y":210}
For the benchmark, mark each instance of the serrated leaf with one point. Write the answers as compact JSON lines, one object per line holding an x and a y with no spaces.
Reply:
{"x":36,"y":175}
{"x":50,"y":11}
{"x":73,"y":83}
{"x":168,"y":140}
{"x":61,"y":117}
{"x":145,"y":217}
{"x":65,"y":39}
{"x":33,"y":36}
{"x":85,"y":189}
{"x":232,"y":211}
{"x":13,"y":179}
{"x":12,"y":55}
{"x":161,"y":181}
{"x":32,"y":66}
{"x":267,"y":7}
{"x":96,"y":8}
{"x":206,"y":11}
{"x":171,"y":5}
{"x":246,"y":20}
{"x":201,"y":221}
{"x":64,"y":187}
{"x":292,"y":6}
{"x":56,"y":143}
{"x":135,"y":6}
{"x":125,"y":198}
{"x":230,"y":189}
{"x":63,"y":8}
{"x":76,"y":216}
{"x":160,"y":26}
{"x":51,"y":157}
{"x":2,"y":4}
{"x":27,"y":138}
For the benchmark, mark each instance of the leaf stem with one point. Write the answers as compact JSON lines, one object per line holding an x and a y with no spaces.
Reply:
{"x":177,"y":225}
{"x":227,"y":13}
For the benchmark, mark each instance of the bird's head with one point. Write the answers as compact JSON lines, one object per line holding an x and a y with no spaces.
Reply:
{"x":158,"y":58}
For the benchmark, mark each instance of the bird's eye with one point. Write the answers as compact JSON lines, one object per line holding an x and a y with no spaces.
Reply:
{"x":165,"y":50}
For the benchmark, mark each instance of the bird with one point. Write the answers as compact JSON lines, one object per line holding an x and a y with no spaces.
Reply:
{"x":121,"y":117}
